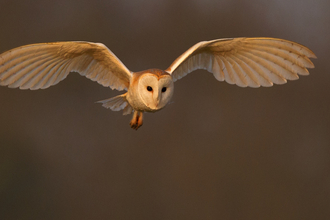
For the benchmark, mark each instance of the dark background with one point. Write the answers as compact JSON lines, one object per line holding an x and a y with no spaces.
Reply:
{"x":217,"y":152}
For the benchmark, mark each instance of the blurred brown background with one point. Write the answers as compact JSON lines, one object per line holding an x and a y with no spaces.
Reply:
{"x":218,"y":152}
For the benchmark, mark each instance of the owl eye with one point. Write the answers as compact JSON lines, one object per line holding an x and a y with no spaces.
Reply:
{"x":149,"y":88}
{"x":164,"y":89}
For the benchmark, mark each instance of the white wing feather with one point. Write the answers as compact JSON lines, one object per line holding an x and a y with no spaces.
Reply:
{"x":38,"y":66}
{"x":252,"y":62}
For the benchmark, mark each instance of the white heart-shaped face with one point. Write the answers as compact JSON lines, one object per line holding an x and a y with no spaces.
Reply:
{"x":155,"y":92}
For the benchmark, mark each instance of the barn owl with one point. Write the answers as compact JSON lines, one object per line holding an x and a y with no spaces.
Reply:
{"x":246,"y":62}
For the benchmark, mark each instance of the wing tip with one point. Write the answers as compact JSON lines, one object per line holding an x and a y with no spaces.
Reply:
{"x":312,"y":55}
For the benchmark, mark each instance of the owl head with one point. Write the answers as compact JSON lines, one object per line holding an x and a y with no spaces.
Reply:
{"x":152,"y":89}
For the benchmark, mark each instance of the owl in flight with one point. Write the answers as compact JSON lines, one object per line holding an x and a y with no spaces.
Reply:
{"x":246,"y":62}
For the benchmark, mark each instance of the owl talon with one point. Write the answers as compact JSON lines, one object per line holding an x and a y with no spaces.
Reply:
{"x":137,"y":120}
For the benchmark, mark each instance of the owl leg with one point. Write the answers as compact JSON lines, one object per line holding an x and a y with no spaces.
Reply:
{"x":137,"y":120}
{"x":140,"y":121}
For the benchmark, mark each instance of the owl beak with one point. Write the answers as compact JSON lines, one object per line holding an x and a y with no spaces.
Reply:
{"x":157,"y":99}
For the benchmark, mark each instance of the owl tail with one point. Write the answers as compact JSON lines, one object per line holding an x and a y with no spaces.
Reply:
{"x":117,"y":103}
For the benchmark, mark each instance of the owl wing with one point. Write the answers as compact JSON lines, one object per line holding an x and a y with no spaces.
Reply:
{"x":38,"y":66}
{"x":252,"y":62}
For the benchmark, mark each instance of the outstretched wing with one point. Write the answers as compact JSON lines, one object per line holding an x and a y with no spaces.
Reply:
{"x":252,"y":62}
{"x":38,"y":66}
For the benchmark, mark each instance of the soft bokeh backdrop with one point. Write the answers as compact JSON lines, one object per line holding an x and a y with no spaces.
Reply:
{"x":217,"y":152}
